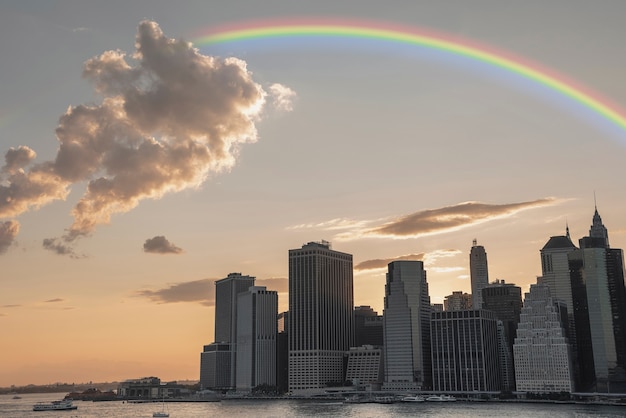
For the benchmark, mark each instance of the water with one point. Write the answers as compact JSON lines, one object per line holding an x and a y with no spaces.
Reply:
{"x":18,"y":408}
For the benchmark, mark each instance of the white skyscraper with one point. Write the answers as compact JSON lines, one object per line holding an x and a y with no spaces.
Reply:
{"x":541,"y":351}
{"x":321,"y":301}
{"x":479,"y":273}
{"x":406,"y":319}
{"x":257,"y":309}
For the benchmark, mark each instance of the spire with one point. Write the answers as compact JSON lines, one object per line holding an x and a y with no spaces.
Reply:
{"x":598,"y":230}
{"x":567,"y":230}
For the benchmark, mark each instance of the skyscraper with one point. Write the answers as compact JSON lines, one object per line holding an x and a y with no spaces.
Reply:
{"x":479,"y":273}
{"x":505,"y":300}
{"x":257,"y":309}
{"x":406,"y":320}
{"x":368,"y":327}
{"x":321,"y":301}
{"x":597,"y":273}
{"x":541,"y":351}
{"x":465,"y":351}
{"x":218,"y":359}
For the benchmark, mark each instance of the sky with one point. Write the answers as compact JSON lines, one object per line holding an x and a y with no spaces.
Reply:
{"x":141,"y":164}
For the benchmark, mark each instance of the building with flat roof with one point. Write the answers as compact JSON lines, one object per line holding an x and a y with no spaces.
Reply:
{"x":321,"y":301}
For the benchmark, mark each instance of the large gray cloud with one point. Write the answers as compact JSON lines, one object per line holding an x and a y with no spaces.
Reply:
{"x":201,"y":291}
{"x":160,"y":245}
{"x":8,"y":232}
{"x":169,"y":116}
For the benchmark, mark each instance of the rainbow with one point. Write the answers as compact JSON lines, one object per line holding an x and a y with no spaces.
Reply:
{"x":368,"y":30}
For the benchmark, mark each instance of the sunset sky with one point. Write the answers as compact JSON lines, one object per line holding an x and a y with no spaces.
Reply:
{"x":139,"y":169}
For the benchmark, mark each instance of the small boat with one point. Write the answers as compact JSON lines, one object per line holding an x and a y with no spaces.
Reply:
{"x":412,"y":398}
{"x":384,"y":399}
{"x":62,"y":405}
{"x":17,"y":397}
{"x":440,"y":398}
{"x":161,"y":413}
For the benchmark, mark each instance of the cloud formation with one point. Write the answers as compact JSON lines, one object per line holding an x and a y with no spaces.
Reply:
{"x":160,"y":245}
{"x":201,"y":291}
{"x":169,"y":117}
{"x":428,"y":258}
{"x":430,"y":221}
{"x":282,"y":97}
{"x":8,"y":232}
{"x":55,"y":300}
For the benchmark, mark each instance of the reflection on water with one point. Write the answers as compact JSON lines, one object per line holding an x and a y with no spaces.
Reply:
{"x":19,"y":408}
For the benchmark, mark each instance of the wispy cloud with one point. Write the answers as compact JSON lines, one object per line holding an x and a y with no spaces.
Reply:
{"x":10,"y":306}
{"x":282,"y":97}
{"x":426,"y":222}
{"x":160,"y":245}
{"x":429,"y":259}
{"x":55,"y":300}
{"x":201,"y":291}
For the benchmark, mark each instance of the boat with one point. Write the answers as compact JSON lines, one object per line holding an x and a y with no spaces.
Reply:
{"x":412,"y":398}
{"x":384,"y":399}
{"x":440,"y":398}
{"x":17,"y":397}
{"x":161,"y":413}
{"x":62,"y":405}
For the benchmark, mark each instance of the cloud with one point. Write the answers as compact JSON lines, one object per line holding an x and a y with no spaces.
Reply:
{"x":379,"y":263}
{"x":168,"y":118}
{"x":8,"y":232}
{"x":10,"y":306}
{"x":55,"y":300}
{"x":428,"y":258}
{"x":160,"y":245}
{"x":282,"y":97}
{"x":441,"y":220}
{"x":201,"y":291}
{"x":58,"y":246}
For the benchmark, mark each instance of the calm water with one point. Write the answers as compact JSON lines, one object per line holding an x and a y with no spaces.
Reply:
{"x":19,"y":408}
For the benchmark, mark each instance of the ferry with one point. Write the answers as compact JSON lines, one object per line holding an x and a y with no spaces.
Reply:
{"x":411,"y":398}
{"x":63,"y":405}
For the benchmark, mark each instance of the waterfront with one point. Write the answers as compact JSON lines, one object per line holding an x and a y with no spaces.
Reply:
{"x":21,"y":408}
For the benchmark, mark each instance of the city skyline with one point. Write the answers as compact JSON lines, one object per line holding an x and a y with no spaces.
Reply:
{"x":389,"y":151}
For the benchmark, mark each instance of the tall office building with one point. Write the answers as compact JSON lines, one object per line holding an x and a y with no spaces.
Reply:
{"x":406,"y":320}
{"x":213,"y":366}
{"x":597,"y":273}
{"x":321,"y":301}
{"x":257,"y":309}
{"x":465,"y":351}
{"x":505,"y":300}
{"x":541,"y":351}
{"x":479,"y":273}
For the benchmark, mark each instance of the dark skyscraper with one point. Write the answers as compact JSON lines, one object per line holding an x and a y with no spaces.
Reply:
{"x":321,"y":302}
{"x":479,"y":273}
{"x":597,"y":273}
{"x":368,"y":327}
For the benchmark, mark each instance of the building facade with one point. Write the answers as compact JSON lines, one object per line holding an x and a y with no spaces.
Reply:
{"x":465,"y":351}
{"x":457,"y":301}
{"x":406,"y":320}
{"x":368,"y":327}
{"x":542,"y":354}
{"x":321,"y":301}
{"x":257,"y":310}
{"x":597,"y":273}
{"x":365,"y":367}
{"x":479,"y":273}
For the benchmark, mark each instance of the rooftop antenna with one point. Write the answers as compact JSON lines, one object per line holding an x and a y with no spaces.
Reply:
{"x":567,"y":229}
{"x":595,"y":204}
{"x":474,"y":242}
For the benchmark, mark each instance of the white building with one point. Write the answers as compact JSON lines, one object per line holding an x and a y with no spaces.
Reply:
{"x":406,"y":319}
{"x":479,"y":273}
{"x":257,"y":310}
{"x":541,"y":351}
{"x":321,"y":301}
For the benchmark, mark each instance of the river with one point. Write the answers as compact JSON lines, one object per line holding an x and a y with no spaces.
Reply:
{"x":19,"y":408}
